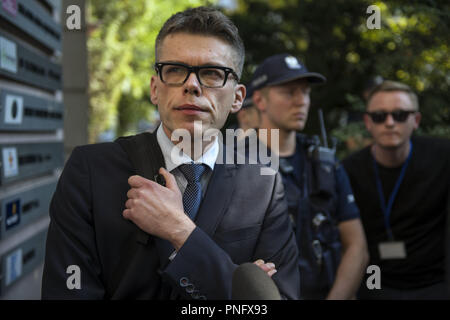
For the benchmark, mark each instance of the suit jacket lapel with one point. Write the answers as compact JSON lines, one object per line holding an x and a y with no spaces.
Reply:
{"x":212,"y":208}
{"x":217,"y":197}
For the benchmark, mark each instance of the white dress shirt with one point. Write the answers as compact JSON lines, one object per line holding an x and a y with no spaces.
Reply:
{"x":172,"y":163}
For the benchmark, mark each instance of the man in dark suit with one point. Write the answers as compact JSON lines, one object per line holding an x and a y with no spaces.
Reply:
{"x":130,"y":237}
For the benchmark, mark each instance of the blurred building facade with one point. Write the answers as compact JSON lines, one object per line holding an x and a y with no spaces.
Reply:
{"x":43,"y":115}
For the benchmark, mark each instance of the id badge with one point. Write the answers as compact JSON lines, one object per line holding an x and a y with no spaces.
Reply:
{"x":392,"y":250}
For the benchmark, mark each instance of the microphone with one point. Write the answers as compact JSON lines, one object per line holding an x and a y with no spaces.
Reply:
{"x":250,"y":282}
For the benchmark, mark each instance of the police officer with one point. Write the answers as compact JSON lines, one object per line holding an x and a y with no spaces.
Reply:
{"x":333,"y":250}
{"x":248,"y":117}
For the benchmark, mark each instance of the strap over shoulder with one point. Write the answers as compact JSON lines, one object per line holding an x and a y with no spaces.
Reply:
{"x":144,"y":153}
{"x":146,"y":157}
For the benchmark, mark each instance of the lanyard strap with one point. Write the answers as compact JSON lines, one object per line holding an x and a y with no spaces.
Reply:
{"x":387,"y":209}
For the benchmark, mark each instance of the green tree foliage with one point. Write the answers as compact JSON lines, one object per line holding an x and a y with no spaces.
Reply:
{"x":412,"y":46}
{"x":121,"y":55}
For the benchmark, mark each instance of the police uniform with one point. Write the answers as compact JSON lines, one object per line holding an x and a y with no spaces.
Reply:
{"x":317,"y":189}
{"x":319,"y":197}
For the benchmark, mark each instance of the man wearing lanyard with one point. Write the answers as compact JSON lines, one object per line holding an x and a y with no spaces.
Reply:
{"x":401,"y":184}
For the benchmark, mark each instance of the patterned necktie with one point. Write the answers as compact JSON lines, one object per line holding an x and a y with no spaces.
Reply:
{"x":193,"y":194}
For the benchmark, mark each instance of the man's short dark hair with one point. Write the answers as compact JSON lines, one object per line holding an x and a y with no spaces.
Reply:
{"x":389,"y":86}
{"x":204,"y":21}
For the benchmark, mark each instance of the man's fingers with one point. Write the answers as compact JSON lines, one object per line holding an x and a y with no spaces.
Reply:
{"x":265,"y":267}
{"x":133,"y":193}
{"x":129,"y":204}
{"x":270,"y":265}
{"x":137,"y":181}
{"x":268,"y":268}
{"x":271,"y":272}
{"x":171,"y":183}
{"x":126,"y":213}
{"x":259,"y":262}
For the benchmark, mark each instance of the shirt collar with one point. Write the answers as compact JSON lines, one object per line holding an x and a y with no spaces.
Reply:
{"x":208,"y":158}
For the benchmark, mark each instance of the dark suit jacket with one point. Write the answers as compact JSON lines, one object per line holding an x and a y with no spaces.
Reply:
{"x":243,"y":217}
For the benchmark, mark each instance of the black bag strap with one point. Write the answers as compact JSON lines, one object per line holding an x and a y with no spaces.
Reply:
{"x":146,"y":157}
{"x":144,"y":153}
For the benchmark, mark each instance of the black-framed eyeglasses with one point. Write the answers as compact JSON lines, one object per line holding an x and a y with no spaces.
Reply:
{"x":398,"y":115}
{"x":172,"y":73}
